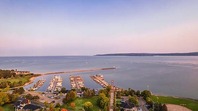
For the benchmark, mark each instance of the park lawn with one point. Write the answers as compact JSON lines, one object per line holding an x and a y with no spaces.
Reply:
{"x":80,"y":101}
{"x":8,"y":107}
{"x":189,"y":103}
{"x":24,"y":79}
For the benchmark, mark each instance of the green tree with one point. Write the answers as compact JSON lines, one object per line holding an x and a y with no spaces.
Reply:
{"x":58,"y":105}
{"x":29,"y":96}
{"x":63,"y":90}
{"x":71,"y":95}
{"x":146,"y":94}
{"x":13,"y":97}
{"x":19,"y":90}
{"x":103,"y":101}
{"x":3,"y":98}
{"x":88,"y":106}
{"x":138,"y":93}
{"x":133,"y":99}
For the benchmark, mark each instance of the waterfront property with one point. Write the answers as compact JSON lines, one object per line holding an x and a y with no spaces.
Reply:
{"x":55,"y":84}
{"x":76,"y":82}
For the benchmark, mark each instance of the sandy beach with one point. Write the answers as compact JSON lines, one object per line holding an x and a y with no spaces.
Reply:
{"x":30,"y":81}
{"x":172,"y":107}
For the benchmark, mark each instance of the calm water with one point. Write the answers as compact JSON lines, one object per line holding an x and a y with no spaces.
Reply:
{"x":176,"y":76}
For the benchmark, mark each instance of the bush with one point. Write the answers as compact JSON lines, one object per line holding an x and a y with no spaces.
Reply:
{"x":88,"y":106}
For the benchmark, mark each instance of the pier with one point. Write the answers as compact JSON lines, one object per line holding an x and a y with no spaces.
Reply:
{"x":80,"y":70}
{"x":100,"y":80}
{"x":55,"y":84}
{"x":76,"y":82}
{"x":37,"y":85}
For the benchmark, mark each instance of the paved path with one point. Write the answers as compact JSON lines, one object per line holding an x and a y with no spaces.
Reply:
{"x":142,"y":104}
{"x":111,"y":105}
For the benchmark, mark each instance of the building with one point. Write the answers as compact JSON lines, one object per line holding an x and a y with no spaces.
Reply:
{"x":21,"y":72}
{"x":25,"y":105}
{"x":126,"y":105}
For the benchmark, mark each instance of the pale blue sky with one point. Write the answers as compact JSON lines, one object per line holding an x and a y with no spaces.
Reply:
{"x":89,"y":27}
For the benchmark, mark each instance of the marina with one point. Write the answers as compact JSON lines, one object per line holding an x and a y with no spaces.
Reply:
{"x":76,"y":82}
{"x":55,"y":84}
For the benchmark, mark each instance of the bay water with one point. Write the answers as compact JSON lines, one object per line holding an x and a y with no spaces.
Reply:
{"x":162,"y":75}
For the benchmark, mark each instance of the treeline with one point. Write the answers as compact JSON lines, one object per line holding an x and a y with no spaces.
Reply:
{"x":6,"y":98}
{"x":4,"y":83}
{"x":146,"y":95}
{"x":6,"y":77}
{"x":7,"y":73}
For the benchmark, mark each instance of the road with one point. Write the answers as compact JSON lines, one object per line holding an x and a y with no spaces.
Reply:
{"x":142,"y":104}
{"x":111,"y":105}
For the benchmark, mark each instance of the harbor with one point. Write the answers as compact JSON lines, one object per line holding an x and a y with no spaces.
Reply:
{"x":76,"y":82}
{"x":55,"y":84}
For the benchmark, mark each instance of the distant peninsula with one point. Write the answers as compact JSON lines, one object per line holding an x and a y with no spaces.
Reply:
{"x":150,"y":54}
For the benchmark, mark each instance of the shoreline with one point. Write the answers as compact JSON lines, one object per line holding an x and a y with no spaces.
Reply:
{"x":31,"y":80}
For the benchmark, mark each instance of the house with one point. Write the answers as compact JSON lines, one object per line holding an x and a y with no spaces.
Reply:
{"x":126,"y":105}
{"x":31,"y":107}
{"x":25,"y":105}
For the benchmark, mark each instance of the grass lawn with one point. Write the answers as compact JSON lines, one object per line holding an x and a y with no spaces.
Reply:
{"x":79,"y":104}
{"x":23,"y":79}
{"x":8,"y":107}
{"x":189,"y":103}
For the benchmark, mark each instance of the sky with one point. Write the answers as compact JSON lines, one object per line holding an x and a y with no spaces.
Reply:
{"x":89,"y":27}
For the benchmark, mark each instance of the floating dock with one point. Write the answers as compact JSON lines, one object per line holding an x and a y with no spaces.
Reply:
{"x":100,"y":80}
{"x":76,"y":82}
{"x":55,"y":84}
{"x":37,"y":85}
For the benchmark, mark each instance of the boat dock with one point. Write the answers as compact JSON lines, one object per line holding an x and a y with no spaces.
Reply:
{"x":55,"y":84}
{"x":76,"y":82}
{"x":37,"y":85}
{"x":100,"y":80}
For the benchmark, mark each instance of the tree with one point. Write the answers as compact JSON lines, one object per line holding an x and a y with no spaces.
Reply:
{"x":88,"y":92}
{"x":149,"y":101}
{"x":146,"y":94}
{"x":3,"y":98}
{"x":63,"y":90}
{"x":103,"y":101}
{"x":133,"y":99}
{"x":138,"y":93}
{"x":13,"y":97}
{"x":19,"y":90}
{"x":58,"y":105}
{"x":36,"y":97}
{"x":73,"y":105}
{"x":88,"y":106}
{"x":29,"y":96}
{"x":71,"y":95}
